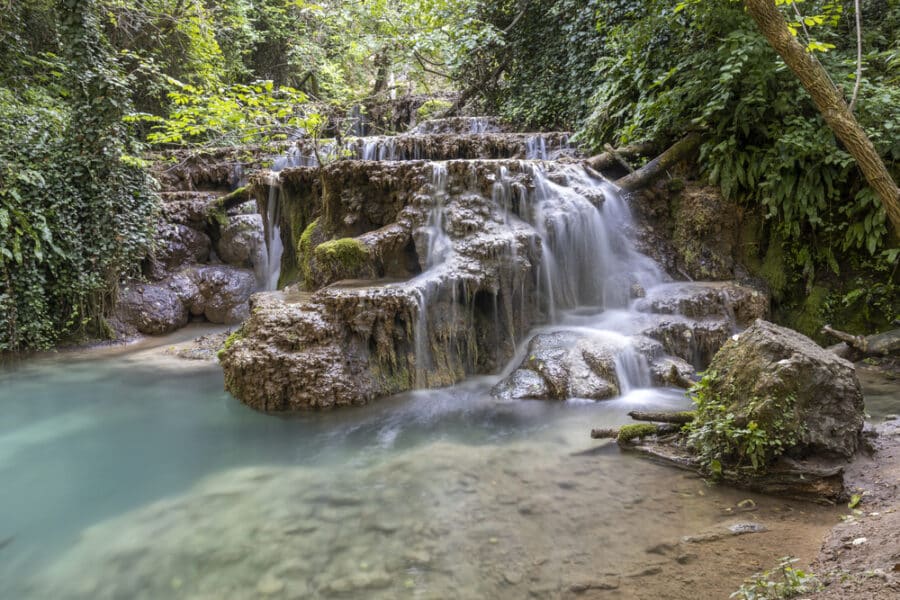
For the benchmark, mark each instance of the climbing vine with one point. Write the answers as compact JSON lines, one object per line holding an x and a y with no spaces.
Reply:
{"x":75,"y":216}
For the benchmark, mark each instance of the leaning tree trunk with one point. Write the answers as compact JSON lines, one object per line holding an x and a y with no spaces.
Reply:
{"x":830,"y":103}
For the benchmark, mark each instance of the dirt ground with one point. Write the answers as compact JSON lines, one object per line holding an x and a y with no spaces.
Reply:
{"x":860,"y":558}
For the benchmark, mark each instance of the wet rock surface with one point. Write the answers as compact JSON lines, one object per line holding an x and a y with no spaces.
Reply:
{"x":770,"y":368}
{"x":682,"y":327}
{"x":152,"y":309}
{"x":241,"y":241}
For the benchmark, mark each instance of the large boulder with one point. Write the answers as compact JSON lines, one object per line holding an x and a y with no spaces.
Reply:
{"x":225,"y":293}
{"x":176,"y":246}
{"x":566,"y":364}
{"x":784,"y":381}
{"x":152,"y":309}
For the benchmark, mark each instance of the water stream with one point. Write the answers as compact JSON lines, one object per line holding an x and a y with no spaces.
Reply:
{"x":130,"y":474}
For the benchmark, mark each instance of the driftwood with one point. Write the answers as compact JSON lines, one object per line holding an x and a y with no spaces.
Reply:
{"x":663,"y":417}
{"x":883,"y":343}
{"x":629,"y":432}
{"x":659,"y":165}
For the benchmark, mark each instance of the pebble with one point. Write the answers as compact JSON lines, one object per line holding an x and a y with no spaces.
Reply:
{"x":512,"y":577}
{"x":270,"y":585}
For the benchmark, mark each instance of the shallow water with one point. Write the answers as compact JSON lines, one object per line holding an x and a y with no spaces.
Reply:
{"x":131,"y":474}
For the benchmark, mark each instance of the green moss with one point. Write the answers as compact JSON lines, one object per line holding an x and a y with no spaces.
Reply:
{"x":432,"y":108}
{"x":774,"y":270}
{"x":638,"y":430}
{"x":236,"y":335}
{"x":344,"y":255}
{"x":809,"y":317}
{"x":304,"y":252}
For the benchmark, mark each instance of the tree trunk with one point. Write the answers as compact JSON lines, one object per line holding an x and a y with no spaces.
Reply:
{"x":830,"y":103}
{"x":659,"y":165}
{"x":607,"y":159}
{"x":663,"y":417}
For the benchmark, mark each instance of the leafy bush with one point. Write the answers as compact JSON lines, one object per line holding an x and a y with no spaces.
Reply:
{"x":723,"y":439}
{"x":236,"y":114}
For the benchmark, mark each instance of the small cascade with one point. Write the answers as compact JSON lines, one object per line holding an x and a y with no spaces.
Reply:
{"x":438,"y":243}
{"x":632,"y":370}
{"x":536,"y":148}
{"x":271,"y":268}
{"x":589,"y":262}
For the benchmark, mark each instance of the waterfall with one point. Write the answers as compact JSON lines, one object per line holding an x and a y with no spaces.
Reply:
{"x":589,"y":259}
{"x":271,"y":268}
{"x":438,"y":243}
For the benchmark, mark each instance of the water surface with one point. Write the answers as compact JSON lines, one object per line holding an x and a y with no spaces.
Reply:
{"x":131,"y":474}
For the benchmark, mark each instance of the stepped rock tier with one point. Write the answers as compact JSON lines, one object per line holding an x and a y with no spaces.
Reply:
{"x":390,"y":273}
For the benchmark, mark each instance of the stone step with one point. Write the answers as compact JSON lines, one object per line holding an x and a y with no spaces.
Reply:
{"x":436,"y":147}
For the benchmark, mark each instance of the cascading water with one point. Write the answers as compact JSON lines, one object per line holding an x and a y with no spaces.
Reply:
{"x":438,"y":243}
{"x":590,"y":268}
{"x":271,"y":269}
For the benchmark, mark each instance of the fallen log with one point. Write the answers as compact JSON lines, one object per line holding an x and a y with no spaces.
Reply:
{"x":659,"y":165}
{"x":786,"y":478}
{"x":630,"y":432}
{"x":883,"y":343}
{"x":612,"y":156}
{"x":663,"y":417}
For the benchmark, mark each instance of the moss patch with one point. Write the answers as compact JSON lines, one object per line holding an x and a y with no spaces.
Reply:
{"x":345,"y":255}
{"x":304,"y":251}
{"x":229,"y":342}
{"x":628,"y":433}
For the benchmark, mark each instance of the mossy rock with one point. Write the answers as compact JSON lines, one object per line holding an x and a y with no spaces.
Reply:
{"x":343,"y":258}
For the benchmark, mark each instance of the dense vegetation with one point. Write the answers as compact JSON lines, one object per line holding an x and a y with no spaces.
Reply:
{"x":653,"y":70}
{"x":87,"y":86}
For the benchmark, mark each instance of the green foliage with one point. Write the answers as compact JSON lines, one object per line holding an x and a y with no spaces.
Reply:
{"x":706,"y":67}
{"x":723,"y":436}
{"x":784,"y":581}
{"x":547,"y":53}
{"x":236,"y":114}
{"x":432,"y":108}
{"x":74,"y":216}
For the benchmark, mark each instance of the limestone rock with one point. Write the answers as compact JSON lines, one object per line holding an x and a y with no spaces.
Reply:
{"x":152,"y":309}
{"x":563,"y":365}
{"x":241,"y":242}
{"x":176,"y":246}
{"x":224,"y":293}
{"x":759,"y":370}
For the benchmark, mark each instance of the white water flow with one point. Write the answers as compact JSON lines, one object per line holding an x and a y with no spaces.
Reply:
{"x":274,"y":245}
{"x":590,"y":270}
{"x":438,"y":242}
